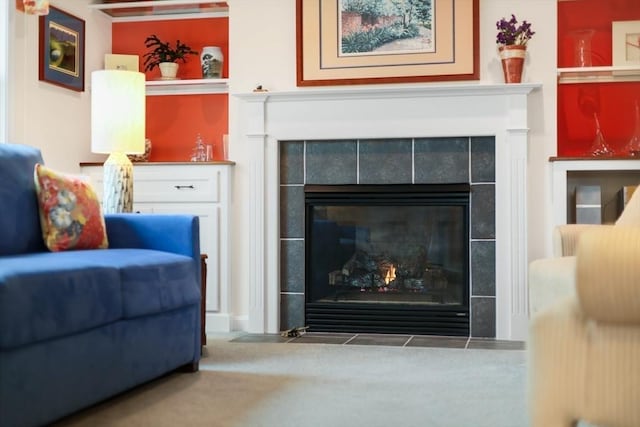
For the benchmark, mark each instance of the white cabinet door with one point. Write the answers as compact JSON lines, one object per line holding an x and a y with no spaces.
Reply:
{"x":208,"y":214}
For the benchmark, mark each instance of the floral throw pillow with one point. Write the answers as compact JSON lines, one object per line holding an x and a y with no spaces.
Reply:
{"x":70,"y":212}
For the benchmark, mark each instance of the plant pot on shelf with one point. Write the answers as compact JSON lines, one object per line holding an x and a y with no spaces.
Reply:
{"x":512,"y":57}
{"x":168,"y":70}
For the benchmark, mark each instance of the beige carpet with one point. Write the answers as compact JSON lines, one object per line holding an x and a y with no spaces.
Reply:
{"x":326,"y":385}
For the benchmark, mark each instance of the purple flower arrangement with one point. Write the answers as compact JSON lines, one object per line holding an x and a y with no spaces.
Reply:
{"x":509,"y":33}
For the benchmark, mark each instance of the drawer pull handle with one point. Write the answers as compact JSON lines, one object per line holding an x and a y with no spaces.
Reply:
{"x":181,"y":187}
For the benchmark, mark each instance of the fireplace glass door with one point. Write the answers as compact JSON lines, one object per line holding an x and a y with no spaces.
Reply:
{"x":387,"y":258}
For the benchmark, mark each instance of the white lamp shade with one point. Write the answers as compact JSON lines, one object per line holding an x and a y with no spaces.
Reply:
{"x":117,"y":111}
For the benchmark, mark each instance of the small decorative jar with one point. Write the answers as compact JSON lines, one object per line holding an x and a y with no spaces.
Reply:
{"x":211,"y":59}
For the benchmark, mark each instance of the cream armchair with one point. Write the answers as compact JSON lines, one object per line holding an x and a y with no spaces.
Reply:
{"x":584,"y":349}
{"x":551,"y":279}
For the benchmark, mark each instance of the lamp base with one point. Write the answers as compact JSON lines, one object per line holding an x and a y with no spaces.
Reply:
{"x":118,"y":184}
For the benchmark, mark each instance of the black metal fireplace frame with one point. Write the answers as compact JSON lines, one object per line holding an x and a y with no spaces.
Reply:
{"x":450,"y":320}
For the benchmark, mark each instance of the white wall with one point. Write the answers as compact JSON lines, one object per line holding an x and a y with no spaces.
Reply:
{"x":52,"y":118}
{"x":262,"y":45}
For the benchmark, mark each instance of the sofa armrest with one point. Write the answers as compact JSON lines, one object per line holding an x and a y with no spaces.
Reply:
{"x":608,"y":273}
{"x":178,"y":234}
{"x":566,"y":237}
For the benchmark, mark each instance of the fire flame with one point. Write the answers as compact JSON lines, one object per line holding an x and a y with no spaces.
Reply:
{"x":391,"y":275}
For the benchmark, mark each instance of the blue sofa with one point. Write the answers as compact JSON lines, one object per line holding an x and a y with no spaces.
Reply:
{"x":79,"y":326}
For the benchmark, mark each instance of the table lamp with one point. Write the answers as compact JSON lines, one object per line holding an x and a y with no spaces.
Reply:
{"x":117,"y":129}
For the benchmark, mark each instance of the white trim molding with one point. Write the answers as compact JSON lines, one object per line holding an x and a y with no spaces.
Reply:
{"x":4,"y":72}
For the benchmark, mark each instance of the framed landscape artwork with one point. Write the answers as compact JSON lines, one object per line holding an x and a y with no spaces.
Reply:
{"x":386,"y":41}
{"x":61,"y":50}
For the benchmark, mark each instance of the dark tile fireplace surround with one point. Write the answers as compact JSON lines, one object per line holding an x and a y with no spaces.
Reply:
{"x":390,"y":161}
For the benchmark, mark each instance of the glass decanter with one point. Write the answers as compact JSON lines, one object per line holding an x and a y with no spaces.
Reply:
{"x":582,"y":47}
{"x":199,"y":153}
{"x":599,"y":147}
{"x":633,"y":146}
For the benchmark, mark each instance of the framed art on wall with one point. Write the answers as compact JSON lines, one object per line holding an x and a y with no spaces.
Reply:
{"x":625,"y":42}
{"x":385,"y":41}
{"x":61,"y":50}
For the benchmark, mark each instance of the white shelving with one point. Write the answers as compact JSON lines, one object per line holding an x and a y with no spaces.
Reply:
{"x":155,"y":10}
{"x":187,"y":87}
{"x":598,"y":74}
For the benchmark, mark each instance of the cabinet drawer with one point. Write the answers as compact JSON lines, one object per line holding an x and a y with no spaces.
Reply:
{"x":176,"y":185}
{"x":168,"y":183}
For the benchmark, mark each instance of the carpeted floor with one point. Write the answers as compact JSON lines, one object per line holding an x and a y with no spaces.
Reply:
{"x":247,"y":384}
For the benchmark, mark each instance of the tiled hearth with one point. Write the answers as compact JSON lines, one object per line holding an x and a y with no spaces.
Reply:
{"x":393,"y":340}
{"x":381,"y":119}
{"x":390,"y":161}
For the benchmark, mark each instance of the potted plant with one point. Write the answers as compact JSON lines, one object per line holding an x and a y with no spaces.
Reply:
{"x":163,"y":55}
{"x":512,"y":42}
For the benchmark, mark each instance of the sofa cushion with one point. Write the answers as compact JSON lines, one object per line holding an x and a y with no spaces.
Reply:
{"x":51,"y":294}
{"x":46,"y":295}
{"x":70,"y":212}
{"x":20,"y":225}
{"x":154,"y":281}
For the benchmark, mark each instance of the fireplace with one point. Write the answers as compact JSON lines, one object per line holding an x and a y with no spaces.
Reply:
{"x":387,"y":258}
{"x":264,"y":120}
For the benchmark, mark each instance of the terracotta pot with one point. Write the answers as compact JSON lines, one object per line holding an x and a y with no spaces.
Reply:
{"x":512,"y":62}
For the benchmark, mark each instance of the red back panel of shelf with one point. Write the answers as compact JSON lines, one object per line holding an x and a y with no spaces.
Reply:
{"x":173,"y":122}
{"x":614,"y":103}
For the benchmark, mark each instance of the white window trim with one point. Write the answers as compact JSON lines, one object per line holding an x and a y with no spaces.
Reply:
{"x":4,"y":73}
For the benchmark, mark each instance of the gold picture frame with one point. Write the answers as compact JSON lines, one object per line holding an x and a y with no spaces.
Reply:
{"x":625,"y":46}
{"x":437,"y":43}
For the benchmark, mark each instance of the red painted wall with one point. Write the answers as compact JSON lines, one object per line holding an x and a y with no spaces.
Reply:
{"x":612,"y":102}
{"x":174,"y":121}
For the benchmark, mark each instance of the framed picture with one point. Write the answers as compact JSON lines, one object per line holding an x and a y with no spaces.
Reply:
{"x":62,"y":49}
{"x":116,"y":61}
{"x":343,"y":42}
{"x":626,"y":42}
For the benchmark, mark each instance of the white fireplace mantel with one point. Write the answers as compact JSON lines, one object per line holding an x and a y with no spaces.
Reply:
{"x":433,"y":110}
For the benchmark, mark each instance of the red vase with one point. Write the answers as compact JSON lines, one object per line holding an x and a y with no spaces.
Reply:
{"x":512,"y":57}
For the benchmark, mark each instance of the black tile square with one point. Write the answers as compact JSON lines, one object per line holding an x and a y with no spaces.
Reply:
{"x":292,"y":162}
{"x":483,"y":317}
{"x":292,"y":265}
{"x":386,"y":161}
{"x":380,"y":339}
{"x":483,"y":159}
{"x":441,"y":160}
{"x":483,"y":268}
{"x":483,"y":211}
{"x":322,"y":338}
{"x":292,"y":211}
{"x":260,"y":338}
{"x":291,"y":311}
{"x":331,"y":162}
{"x":491,"y":344}
{"x":441,"y":342}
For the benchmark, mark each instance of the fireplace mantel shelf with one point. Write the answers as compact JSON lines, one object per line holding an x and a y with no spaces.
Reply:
{"x":432,"y":90}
